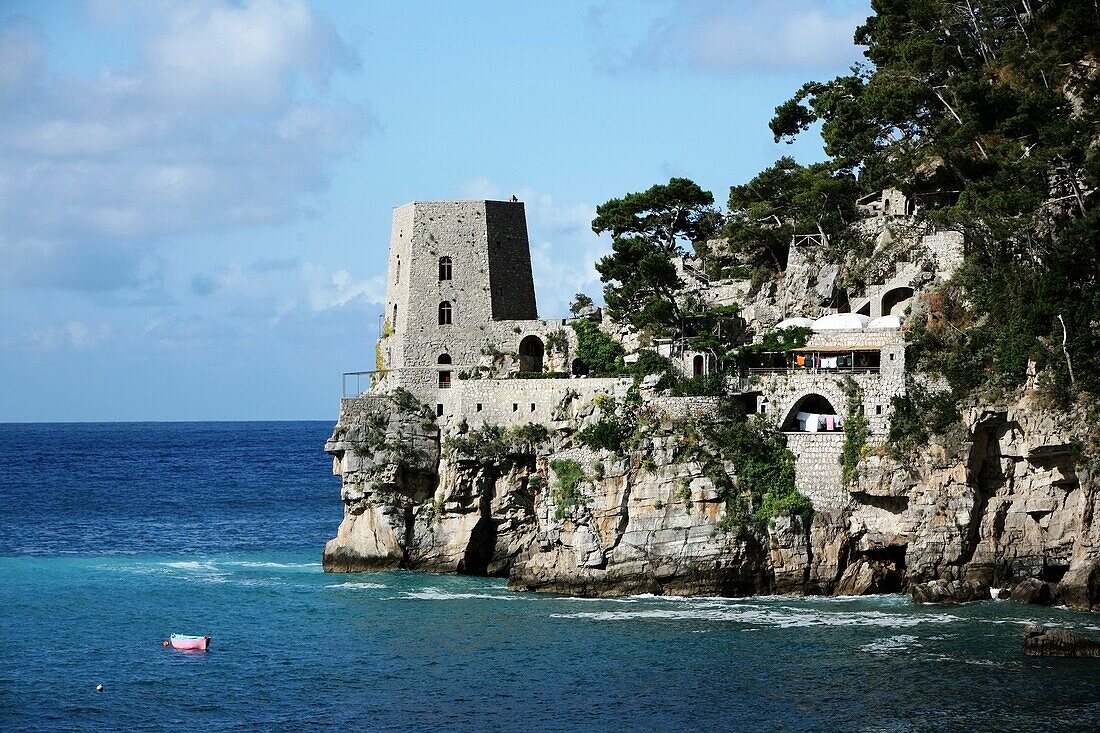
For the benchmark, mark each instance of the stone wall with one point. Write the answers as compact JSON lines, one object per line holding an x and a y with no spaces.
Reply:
{"x":511,"y":284}
{"x":817,"y":469}
{"x":519,"y":401}
{"x":946,"y":249}
{"x":781,"y":393}
{"x":490,"y":292}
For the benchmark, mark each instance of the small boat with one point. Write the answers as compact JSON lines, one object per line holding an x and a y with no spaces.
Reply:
{"x":181,"y":641}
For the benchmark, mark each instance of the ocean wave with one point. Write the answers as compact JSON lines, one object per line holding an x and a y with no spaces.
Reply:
{"x":890,"y":644}
{"x":436,"y":594}
{"x":359,"y":585}
{"x":780,"y":617}
{"x":280,"y":565}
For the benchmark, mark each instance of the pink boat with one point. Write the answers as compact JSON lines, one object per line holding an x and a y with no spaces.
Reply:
{"x":197,"y":643}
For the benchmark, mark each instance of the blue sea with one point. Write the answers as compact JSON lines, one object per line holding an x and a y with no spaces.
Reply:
{"x":113,"y":536}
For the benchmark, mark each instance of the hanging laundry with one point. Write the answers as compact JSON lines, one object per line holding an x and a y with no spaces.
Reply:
{"x":800,"y":360}
{"x":830,"y":422}
{"x":813,"y":421}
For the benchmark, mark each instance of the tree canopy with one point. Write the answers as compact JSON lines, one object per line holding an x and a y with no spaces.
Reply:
{"x":998,"y":104}
{"x":648,"y":230}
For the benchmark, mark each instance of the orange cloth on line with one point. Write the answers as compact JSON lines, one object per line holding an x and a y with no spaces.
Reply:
{"x":800,"y":360}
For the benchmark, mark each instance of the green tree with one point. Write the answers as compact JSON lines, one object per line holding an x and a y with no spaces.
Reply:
{"x":648,"y":230}
{"x":784,"y":200}
{"x":998,"y":104}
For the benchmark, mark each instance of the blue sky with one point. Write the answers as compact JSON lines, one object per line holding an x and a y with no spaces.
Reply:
{"x":195,"y":198}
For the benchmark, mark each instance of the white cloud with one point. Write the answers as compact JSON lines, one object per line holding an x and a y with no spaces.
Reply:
{"x":564,"y":249}
{"x":738,"y":37}
{"x":328,"y":290}
{"x":224,"y":122}
{"x":74,"y":334}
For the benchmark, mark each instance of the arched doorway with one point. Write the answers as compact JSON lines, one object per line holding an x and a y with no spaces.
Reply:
{"x":895,"y":301}
{"x":444,"y":373}
{"x":579,"y":368}
{"x":698,"y":365}
{"x":531,"y":350}
{"x":813,"y":406}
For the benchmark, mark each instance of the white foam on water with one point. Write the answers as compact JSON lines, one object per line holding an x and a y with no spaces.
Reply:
{"x":360,"y":585}
{"x":204,"y":571}
{"x":995,"y":593}
{"x":435,"y":594}
{"x":890,"y":644}
{"x":191,"y":565}
{"x":281,"y":565}
{"x":781,"y":617}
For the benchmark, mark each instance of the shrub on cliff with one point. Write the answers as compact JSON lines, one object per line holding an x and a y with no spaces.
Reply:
{"x":602,"y":354}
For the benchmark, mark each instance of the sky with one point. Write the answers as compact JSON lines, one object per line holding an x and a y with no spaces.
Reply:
{"x":196,"y":197}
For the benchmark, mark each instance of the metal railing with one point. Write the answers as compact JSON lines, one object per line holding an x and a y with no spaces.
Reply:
{"x":811,"y":370}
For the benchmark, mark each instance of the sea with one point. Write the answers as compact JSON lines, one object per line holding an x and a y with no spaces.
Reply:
{"x":113,"y":536}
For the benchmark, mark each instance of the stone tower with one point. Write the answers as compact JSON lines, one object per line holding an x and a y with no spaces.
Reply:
{"x":455,"y":268}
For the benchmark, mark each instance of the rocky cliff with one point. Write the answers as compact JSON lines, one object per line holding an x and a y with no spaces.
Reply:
{"x":1009,"y":502}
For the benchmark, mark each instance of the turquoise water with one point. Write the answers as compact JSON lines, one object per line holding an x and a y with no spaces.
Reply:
{"x":297,"y":649}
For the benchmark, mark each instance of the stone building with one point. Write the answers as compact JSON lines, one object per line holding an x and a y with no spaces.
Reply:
{"x":461,"y":330}
{"x":461,"y":321}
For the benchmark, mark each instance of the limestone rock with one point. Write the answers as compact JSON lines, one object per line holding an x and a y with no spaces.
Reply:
{"x":1031,"y":590}
{"x":1041,"y":642}
{"x":950,"y":591}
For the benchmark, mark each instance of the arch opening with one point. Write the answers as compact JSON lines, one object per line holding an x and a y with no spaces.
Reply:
{"x":445,"y":313}
{"x":698,"y":365}
{"x":444,"y":268}
{"x":531,"y":352}
{"x":812,"y":413}
{"x":443,"y":359}
{"x":579,"y":368}
{"x":895,"y":301}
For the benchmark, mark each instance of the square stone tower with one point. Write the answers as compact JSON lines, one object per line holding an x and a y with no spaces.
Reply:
{"x":455,"y":267}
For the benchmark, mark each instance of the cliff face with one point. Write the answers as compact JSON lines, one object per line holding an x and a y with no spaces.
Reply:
{"x":1010,"y":502}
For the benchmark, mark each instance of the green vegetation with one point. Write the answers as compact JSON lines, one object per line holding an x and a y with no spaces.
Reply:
{"x":782,"y":201}
{"x":648,"y":230}
{"x":493,"y":442}
{"x":764,"y":487}
{"x":580,"y":302}
{"x":856,"y":432}
{"x":602,"y":354}
{"x":989,"y":111}
{"x":566,"y":493}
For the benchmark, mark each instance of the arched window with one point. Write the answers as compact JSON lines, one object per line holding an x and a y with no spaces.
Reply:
{"x":443,"y":359}
{"x":698,"y":365}
{"x":445,"y":313}
{"x":393,"y":321}
{"x":444,"y":268}
{"x":397,"y":277}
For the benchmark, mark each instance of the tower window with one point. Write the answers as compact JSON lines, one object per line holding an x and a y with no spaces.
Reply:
{"x":397,"y":276}
{"x":444,"y":380}
{"x":393,"y":321}
{"x":444,"y":268}
{"x":443,"y":359}
{"x":445,"y":313}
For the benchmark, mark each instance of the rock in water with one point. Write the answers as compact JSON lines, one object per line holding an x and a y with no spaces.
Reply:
{"x":1041,"y":642}
{"x":950,"y":591}
{"x":1032,"y":591}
